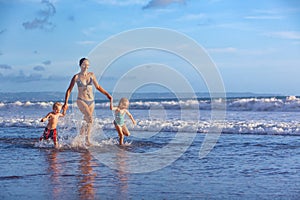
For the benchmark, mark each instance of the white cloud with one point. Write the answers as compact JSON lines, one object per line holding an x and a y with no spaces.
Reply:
{"x":258,"y":52}
{"x":87,"y":42}
{"x":277,"y":11}
{"x":39,"y":68}
{"x":42,"y":20}
{"x":296,"y":43}
{"x":266,"y":11}
{"x":122,"y":3}
{"x":236,"y":26}
{"x":190,"y":17}
{"x":252,"y":52}
{"x":47,"y":62}
{"x":5,"y":66}
{"x":271,"y":17}
{"x":201,"y":19}
{"x":292,"y":35}
{"x":89,"y":31}
{"x":266,"y":14}
{"x":162,"y":3}
{"x":223,"y":50}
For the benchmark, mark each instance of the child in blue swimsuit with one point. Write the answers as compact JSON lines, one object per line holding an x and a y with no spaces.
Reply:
{"x":119,"y":123}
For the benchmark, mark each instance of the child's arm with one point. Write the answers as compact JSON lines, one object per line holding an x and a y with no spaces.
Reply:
{"x":63,"y":113}
{"x":131,"y":117}
{"x":111,"y":105}
{"x":46,"y":117}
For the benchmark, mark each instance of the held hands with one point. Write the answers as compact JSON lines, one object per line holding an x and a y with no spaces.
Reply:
{"x":109,"y":97}
{"x":65,"y":108}
{"x":111,"y":104}
{"x":64,"y":112}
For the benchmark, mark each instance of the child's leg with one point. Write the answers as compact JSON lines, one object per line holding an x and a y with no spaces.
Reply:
{"x":55,"y":144}
{"x":55,"y":138}
{"x":125,"y":130}
{"x":45,"y":134}
{"x":120,"y":132}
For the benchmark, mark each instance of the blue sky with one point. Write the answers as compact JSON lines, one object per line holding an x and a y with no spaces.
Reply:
{"x":254,"y":43}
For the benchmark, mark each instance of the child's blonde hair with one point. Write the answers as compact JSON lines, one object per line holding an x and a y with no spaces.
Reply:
{"x":56,"y":105}
{"x":123,"y":101}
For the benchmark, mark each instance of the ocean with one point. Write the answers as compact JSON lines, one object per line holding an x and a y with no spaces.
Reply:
{"x":255,"y":156}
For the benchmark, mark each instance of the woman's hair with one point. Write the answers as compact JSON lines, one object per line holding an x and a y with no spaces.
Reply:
{"x":81,"y":61}
{"x":123,"y":100}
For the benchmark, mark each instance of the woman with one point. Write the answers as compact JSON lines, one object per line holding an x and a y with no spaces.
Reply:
{"x":85,"y":99}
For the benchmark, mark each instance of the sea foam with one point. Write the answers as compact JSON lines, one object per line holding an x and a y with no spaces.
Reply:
{"x":276,"y":104}
{"x":231,"y":127}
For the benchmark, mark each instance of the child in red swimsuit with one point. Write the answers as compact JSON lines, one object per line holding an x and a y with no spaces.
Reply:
{"x":52,"y":117}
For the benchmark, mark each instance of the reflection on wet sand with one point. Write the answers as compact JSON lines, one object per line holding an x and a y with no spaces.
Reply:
{"x":87,"y":177}
{"x":55,"y":172}
{"x":122,"y":174}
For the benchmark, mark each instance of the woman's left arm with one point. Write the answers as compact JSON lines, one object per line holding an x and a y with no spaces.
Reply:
{"x":99,"y":88}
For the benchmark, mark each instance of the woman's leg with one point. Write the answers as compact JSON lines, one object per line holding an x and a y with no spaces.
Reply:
{"x":90,"y":124}
{"x":87,"y":112}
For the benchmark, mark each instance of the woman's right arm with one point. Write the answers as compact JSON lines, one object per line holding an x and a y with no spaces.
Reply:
{"x":111,"y":104}
{"x":68,"y":92}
